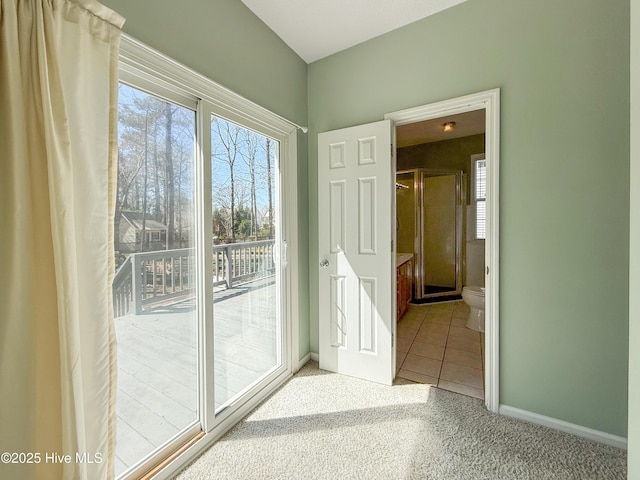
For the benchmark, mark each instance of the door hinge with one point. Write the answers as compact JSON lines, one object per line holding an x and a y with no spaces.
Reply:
{"x":391,"y":246}
{"x":393,"y":340}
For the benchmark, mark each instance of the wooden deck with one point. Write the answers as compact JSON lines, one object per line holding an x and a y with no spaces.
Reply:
{"x":157,"y":361}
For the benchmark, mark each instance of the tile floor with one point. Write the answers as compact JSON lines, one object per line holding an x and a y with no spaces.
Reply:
{"x":436,"y":348}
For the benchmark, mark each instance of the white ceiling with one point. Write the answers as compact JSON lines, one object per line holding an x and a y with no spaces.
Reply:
{"x":315,"y":29}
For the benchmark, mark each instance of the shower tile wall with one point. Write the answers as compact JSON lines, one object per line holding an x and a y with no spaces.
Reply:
{"x":435,"y":347}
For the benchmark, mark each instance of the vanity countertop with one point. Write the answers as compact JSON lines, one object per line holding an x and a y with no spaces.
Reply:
{"x":402,"y":258}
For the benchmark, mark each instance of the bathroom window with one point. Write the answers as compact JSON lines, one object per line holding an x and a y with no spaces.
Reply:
{"x":480,"y":194}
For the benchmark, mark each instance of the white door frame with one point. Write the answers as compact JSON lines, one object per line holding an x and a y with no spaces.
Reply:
{"x":489,"y":101}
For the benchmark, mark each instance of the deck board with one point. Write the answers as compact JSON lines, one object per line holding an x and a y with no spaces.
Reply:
{"x":157,"y":363}
{"x":161,"y":361}
{"x":137,"y":445}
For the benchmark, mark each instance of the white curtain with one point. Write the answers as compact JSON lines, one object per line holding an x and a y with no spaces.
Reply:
{"x":58,"y":153}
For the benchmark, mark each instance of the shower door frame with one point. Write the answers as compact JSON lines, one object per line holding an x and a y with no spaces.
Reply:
{"x":418,"y":241}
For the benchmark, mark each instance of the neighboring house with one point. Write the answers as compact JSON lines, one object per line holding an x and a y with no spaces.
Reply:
{"x":264,"y":219}
{"x":130,"y":233}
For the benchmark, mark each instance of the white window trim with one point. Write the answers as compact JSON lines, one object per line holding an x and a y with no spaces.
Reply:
{"x":150,"y":70}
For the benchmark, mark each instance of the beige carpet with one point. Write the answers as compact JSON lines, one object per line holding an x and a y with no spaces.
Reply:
{"x":325,"y":426}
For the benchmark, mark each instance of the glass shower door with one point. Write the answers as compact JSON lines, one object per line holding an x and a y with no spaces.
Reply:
{"x":429,"y":224}
{"x":441,"y":232}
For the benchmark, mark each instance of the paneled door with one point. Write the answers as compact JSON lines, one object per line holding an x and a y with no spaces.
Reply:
{"x":356,"y":282}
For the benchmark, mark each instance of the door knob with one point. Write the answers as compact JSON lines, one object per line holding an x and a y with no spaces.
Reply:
{"x":324,"y":263}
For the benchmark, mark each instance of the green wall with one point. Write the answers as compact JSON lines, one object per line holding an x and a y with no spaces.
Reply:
{"x":226,"y":42}
{"x":563,"y":70}
{"x":633,"y":454}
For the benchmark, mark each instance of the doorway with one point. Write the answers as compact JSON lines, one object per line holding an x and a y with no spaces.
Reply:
{"x":487,"y":105}
{"x":357,"y":258}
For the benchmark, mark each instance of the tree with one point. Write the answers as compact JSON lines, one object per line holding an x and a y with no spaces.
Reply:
{"x":221,"y":222}
{"x":243,"y":189}
{"x":144,"y":188}
{"x":127,"y":173}
{"x":249,"y":154}
{"x":169,"y":174}
{"x":137,"y":118}
{"x":227,"y":140}
{"x":270,"y":210}
{"x":156,"y":146}
{"x":244,"y":224}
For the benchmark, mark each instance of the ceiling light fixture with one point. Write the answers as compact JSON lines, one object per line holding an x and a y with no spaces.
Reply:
{"x":448,"y":126}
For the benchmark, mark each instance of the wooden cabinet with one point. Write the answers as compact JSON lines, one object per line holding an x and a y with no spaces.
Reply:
{"x":404,"y":282}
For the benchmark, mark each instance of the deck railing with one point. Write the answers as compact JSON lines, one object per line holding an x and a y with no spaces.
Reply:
{"x":122,"y":289}
{"x":249,"y":260}
{"x":152,"y":278}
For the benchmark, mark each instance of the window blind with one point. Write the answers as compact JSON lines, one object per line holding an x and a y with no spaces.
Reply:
{"x":480,"y":192}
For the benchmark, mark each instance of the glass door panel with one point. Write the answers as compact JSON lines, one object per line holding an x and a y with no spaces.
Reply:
{"x":439,"y":210}
{"x":245,"y":270}
{"x":154,"y":290}
{"x":441,"y":232}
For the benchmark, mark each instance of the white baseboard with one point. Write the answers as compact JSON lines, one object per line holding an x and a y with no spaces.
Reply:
{"x":302,"y":362}
{"x":556,"y":424}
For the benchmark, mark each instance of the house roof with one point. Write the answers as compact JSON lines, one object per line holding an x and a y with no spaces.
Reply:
{"x":135,"y":219}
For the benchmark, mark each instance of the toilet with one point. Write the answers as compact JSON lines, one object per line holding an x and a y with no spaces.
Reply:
{"x":474,"y":297}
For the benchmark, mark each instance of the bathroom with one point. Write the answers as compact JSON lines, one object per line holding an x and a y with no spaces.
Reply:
{"x":440,"y":212}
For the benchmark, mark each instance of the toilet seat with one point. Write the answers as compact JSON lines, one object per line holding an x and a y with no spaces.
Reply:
{"x":472,"y":290}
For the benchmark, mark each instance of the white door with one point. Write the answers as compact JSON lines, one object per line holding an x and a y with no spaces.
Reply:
{"x":356,"y":281}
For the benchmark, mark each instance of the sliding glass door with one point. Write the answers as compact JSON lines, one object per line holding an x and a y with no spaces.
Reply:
{"x":155,"y":299}
{"x":246,"y":272}
{"x":201,"y":277}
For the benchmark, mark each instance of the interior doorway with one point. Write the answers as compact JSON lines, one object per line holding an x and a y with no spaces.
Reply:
{"x":428,"y":125}
{"x":437,"y":225}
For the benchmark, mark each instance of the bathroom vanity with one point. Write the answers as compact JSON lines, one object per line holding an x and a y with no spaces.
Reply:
{"x":404,"y":282}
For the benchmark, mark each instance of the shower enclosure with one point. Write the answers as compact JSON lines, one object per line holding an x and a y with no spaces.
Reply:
{"x":429,"y":224}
